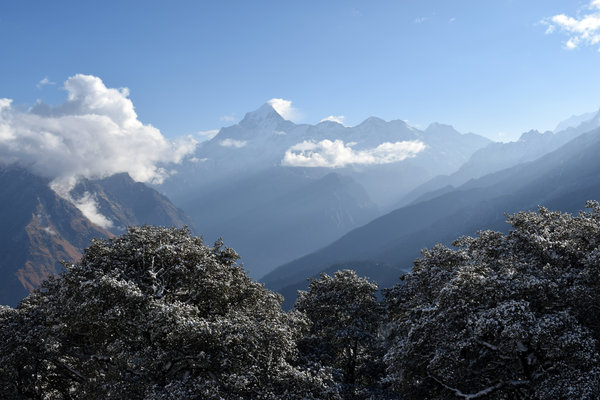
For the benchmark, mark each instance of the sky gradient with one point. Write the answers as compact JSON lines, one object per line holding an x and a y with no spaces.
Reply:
{"x":494,"y":68}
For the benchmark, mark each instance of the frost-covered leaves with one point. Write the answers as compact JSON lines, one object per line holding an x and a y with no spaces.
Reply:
{"x":503,"y":316}
{"x":345,"y":318}
{"x":154,"y":314}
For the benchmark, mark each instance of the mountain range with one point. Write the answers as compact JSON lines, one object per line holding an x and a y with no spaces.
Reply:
{"x":276,"y":190}
{"x":296,"y":200}
{"x":563,"y":179}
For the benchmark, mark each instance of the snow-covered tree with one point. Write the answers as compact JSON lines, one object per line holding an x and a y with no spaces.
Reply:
{"x":502,"y":316}
{"x":345,"y":318}
{"x":154,"y":314}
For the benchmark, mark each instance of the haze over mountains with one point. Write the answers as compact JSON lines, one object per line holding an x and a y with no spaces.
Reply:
{"x":276,"y":190}
{"x":563,"y":179}
{"x":292,"y":199}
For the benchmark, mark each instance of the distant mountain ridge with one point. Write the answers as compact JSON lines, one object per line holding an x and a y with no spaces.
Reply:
{"x":563,"y":179}
{"x":498,"y":156}
{"x":238,"y":187}
{"x":260,"y":140}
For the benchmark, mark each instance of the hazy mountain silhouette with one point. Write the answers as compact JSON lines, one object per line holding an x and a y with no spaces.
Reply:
{"x":563,"y":179}
{"x":498,"y":156}
{"x":236,"y":186}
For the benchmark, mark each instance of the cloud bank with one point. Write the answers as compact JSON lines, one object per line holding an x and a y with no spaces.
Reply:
{"x":336,"y":154}
{"x":583,"y":30}
{"x":94,"y":134}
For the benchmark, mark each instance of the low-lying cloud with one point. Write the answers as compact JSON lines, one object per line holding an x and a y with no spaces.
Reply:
{"x":207,"y":135}
{"x":233,"y":143}
{"x":89,"y":207}
{"x":336,"y":154}
{"x":583,"y":30}
{"x":93,"y":134}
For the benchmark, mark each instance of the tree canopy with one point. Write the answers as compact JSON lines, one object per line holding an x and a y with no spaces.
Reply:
{"x":503,"y":316}
{"x":345,"y":319}
{"x":156,"y":314}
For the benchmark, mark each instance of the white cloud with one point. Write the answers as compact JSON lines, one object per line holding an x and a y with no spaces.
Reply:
{"x":339,"y":119}
{"x":94,"y":133}
{"x":88,"y":207}
{"x":49,"y":230}
{"x":228,"y":118}
{"x":285,"y":109}
{"x":207,"y":135}
{"x":44,"y":82}
{"x":583,"y":30}
{"x":336,"y":154}
{"x":233,"y":143}
{"x":420,"y":20}
{"x":5,"y":103}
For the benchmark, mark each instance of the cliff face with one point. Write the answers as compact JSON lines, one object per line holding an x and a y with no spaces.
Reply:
{"x":38,"y":230}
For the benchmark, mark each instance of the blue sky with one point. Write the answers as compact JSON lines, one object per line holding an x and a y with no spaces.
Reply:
{"x":489,"y":67}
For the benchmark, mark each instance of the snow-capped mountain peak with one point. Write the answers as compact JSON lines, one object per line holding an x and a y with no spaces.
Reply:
{"x":266,"y":114}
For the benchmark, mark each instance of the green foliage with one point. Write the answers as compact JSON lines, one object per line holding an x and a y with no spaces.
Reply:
{"x":502,"y":316}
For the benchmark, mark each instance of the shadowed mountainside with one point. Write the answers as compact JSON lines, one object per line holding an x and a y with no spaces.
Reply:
{"x":39,"y":229}
{"x":564,"y":180}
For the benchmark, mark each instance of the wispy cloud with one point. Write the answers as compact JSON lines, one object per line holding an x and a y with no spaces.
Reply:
{"x":420,"y":20}
{"x":583,"y":30}
{"x":336,"y":154}
{"x":335,"y":118}
{"x":207,"y":135}
{"x":285,"y":109}
{"x":233,"y":143}
{"x":44,"y":82}
{"x":228,"y":118}
{"x":89,"y":207}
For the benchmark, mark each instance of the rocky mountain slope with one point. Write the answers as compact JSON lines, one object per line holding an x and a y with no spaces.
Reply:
{"x":39,"y":228}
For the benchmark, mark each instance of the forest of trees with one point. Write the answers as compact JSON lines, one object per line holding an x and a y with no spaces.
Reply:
{"x":156,"y":314}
